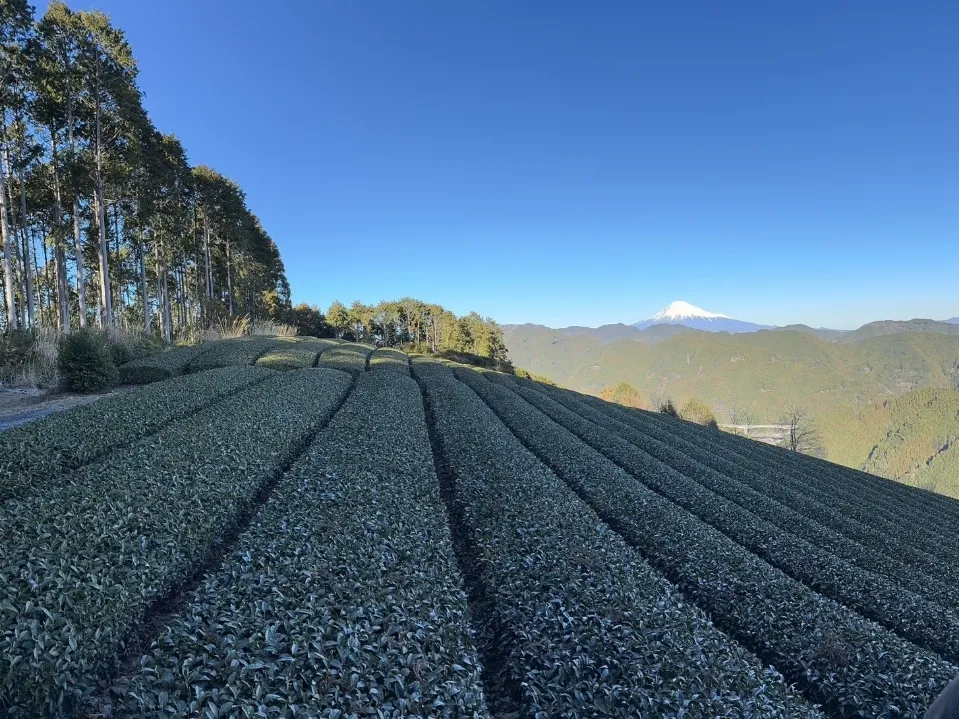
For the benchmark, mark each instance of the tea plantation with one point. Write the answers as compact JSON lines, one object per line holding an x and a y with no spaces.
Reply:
{"x":279,"y":527}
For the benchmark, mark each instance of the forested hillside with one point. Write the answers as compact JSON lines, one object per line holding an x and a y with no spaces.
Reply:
{"x":846,"y":387}
{"x":104,"y":220}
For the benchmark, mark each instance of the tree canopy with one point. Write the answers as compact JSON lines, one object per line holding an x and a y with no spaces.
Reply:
{"x":103,"y":219}
{"x":408,"y":322}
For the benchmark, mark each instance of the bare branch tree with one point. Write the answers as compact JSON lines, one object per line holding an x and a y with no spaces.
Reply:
{"x":801,"y":433}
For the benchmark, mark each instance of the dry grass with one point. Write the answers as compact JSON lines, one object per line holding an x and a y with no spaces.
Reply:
{"x":227,"y":328}
{"x":31,"y":360}
{"x":272,"y":329}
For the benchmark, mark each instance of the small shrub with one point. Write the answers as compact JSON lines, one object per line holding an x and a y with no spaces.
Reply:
{"x":86,"y":363}
{"x":699,"y":412}
{"x":625,"y":394}
{"x":667,"y":407}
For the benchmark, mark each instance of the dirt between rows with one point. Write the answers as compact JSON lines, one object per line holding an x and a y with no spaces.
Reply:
{"x":19,"y":406}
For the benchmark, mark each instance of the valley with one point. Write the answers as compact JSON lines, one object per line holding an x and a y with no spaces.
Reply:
{"x":856,"y":386}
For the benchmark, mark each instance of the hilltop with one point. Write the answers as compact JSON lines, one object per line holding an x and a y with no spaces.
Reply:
{"x":422,"y":534}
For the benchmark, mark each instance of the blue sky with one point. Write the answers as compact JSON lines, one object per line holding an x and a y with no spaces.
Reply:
{"x":580,"y":163}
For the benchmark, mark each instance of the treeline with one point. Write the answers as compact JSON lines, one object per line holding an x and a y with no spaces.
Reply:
{"x":103,"y":219}
{"x":407,"y":322}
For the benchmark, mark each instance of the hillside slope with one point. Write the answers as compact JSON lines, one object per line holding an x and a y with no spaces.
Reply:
{"x":758,"y":375}
{"x":422,"y":538}
{"x":889,"y":327}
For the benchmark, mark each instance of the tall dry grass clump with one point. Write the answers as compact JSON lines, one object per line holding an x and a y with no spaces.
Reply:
{"x":272,"y":329}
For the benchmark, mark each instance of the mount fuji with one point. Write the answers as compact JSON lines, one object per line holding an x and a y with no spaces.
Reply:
{"x":683,"y":313}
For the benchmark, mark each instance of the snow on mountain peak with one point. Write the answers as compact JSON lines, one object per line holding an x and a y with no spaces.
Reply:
{"x":680,"y":310}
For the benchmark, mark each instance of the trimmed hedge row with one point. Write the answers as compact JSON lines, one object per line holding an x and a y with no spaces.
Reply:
{"x":228,"y":353}
{"x":387,"y":358}
{"x":889,"y":502}
{"x":498,"y":377}
{"x":348,"y":356}
{"x":872,"y":595}
{"x":295,"y":353}
{"x":756,"y":494}
{"x":81,"y":566}
{"x":343,"y":593}
{"x":588,"y":628}
{"x":159,"y":367}
{"x":34,"y":456}
{"x":849,"y":664}
{"x":901,"y":540}
{"x":891,"y":494}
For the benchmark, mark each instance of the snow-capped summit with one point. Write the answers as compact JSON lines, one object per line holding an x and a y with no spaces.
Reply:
{"x":680,"y":310}
{"x":684,"y":313}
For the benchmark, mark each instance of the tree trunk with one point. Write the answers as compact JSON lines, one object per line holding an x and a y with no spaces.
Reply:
{"x":27,"y":256}
{"x":81,"y":283}
{"x":162,"y":291}
{"x":63,"y":303}
{"x":121,"y":290}
{"x":106,"y":300}
{"x":9,"y":256}
{"x":206,"y":252}
{"x":144,"y":290}
{"x":63,"y":297}
{"x":19,"y":269}
{"x":229,"y":278}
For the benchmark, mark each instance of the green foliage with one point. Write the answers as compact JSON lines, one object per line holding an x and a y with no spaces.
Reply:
{"x":295,"y":353}
{"x":695,"y":410}
{"x":848,"y":664}
{"x":414,"y":324}
{"x":348,"y":357}
{"x":35,"y":457}
{"x":537,"y":542}
{"x":239,"y":351}
{"x":308,"y":320}
{"x":912,"y":438}
{"x":392,"y":360}
{"x":158,"y":367}
{"x":803,"y":502}
{"x":347,"y":579}
{"x":171,"y":496}
{"x":85,"y":362}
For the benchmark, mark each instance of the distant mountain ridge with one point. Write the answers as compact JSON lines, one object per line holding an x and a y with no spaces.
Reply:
{"x":884,"y":396}
{"x":682,"y":314}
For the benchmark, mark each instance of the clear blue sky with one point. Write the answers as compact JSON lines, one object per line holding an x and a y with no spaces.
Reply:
{"x":581,"y":163}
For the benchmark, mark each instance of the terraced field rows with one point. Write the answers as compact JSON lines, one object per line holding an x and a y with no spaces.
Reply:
{"x":901,"y":537}
{"x":811,"y":639}
{"x":35,"y":456}
{"x":581,"y":623}
{"x":346,"y":584}
{"x":335,"y":542}
{"x":348,"y":357}
{"x":84,"y":562}
{"x":790,"y":509}
{"x":295,"y":353}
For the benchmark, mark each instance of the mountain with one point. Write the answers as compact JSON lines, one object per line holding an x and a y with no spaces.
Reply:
{"x":823,"y":333}
{"x":952,"y":321}
{"x":891,"y":327}
{"x":611,"y":333}
{"x":683,"y":313}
